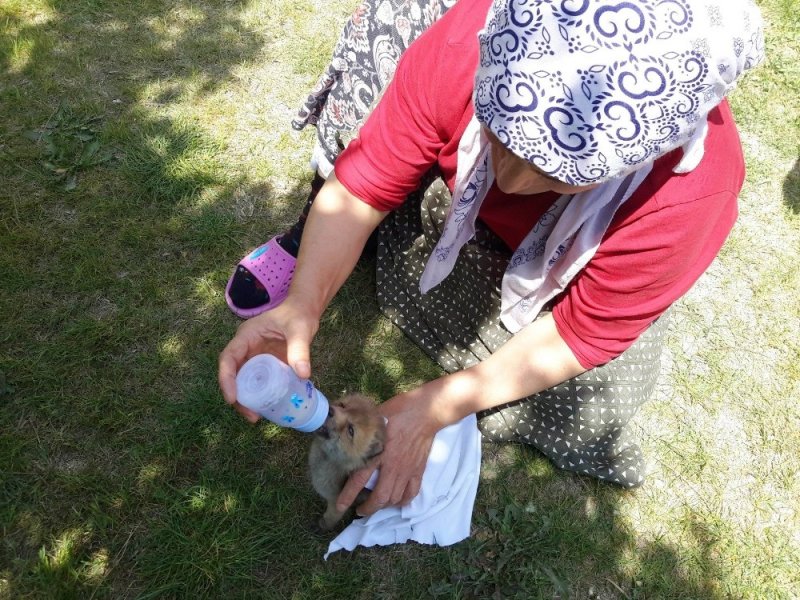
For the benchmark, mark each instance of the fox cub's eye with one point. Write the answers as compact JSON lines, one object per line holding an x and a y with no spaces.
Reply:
{"x":350,"y":431}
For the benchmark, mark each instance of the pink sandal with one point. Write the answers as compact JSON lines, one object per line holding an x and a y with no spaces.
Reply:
{"x":272,"y":267}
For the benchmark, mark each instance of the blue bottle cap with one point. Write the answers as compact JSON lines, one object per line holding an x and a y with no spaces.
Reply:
{"x":319,"y":416}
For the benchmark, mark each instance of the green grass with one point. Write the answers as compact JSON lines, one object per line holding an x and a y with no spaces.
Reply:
{"x":144,"y":147}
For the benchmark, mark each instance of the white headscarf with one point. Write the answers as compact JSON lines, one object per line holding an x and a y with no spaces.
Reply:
{"x":589,"y":92}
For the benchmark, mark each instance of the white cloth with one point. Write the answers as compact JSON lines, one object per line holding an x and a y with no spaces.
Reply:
{"x":441,"y":513}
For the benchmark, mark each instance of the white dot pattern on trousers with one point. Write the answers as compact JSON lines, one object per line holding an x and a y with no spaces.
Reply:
{"x":581,"y":425}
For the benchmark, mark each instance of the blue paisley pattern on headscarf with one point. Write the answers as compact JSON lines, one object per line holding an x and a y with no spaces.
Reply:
{"x":589,"y":90}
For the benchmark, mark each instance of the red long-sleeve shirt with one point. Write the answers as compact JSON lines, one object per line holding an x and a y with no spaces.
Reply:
{"x":658,"y":244}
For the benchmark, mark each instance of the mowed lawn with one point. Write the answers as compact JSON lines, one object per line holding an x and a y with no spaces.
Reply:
{"x":144,"y":148}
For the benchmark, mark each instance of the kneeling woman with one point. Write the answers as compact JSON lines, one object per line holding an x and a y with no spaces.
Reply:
{"x":547,"y":179}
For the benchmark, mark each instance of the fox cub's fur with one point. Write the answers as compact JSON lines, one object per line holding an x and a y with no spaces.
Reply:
{"x":353,"y":433}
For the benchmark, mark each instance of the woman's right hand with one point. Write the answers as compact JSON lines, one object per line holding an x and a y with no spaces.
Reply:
{"x":336,"y":230}
{"x":285,"y":331}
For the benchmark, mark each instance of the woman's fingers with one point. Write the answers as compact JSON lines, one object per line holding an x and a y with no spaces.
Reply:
{"x":396,"y":486}
{"x":284,"y":332}
{"x":357,"y":481}
{"x":411,"y":490}
{"x":247,"y":413}
{"x":298,"y":342}
{"x":380,"y":497}
{"x":230,"y":361}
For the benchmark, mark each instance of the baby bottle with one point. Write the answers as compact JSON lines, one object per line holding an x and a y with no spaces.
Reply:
{"x":271,"y":388}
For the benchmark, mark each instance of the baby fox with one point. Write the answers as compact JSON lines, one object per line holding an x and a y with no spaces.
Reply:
{"x":353,"y":433}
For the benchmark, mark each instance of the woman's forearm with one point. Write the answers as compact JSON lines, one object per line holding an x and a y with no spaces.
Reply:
{"x":334,"y":236}
{"x":535,"y":359}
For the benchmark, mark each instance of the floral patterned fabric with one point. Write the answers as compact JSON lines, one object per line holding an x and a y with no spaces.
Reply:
{"x":581,"y":425}
{"x":364,"y":61}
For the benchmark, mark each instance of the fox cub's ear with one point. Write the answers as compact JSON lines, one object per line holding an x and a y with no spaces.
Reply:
{"x":375,"y":448}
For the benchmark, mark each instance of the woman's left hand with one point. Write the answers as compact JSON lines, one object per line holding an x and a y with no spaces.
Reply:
{"x":410,"y":431}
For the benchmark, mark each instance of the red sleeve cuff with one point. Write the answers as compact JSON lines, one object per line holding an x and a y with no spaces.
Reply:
{"x":586,"y":355}
{"x":355,"y":172}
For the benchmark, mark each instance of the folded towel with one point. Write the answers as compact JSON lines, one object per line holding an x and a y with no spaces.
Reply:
{"x":442,"y":511}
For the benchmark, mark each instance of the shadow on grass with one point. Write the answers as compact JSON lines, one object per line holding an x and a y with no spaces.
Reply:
{"x":124,"y":473}
{"x":543,"y":533}
{"x":791,"y":188}
{"x":114,"y":439}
